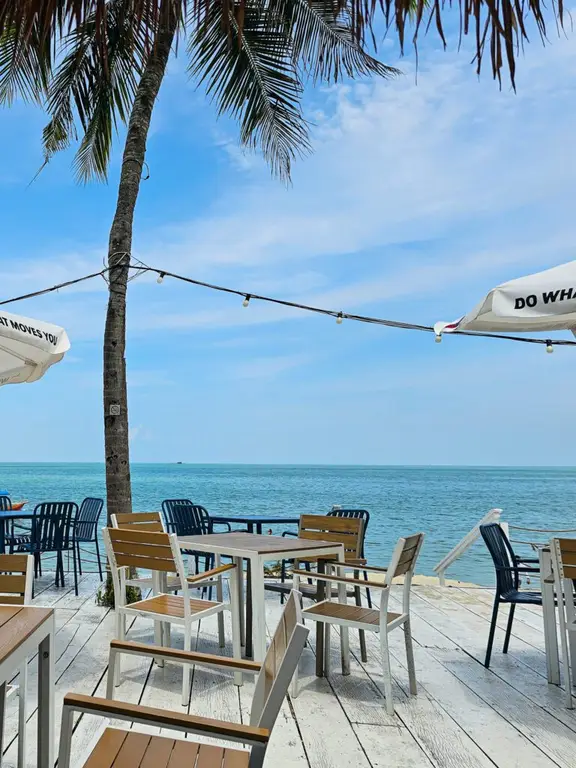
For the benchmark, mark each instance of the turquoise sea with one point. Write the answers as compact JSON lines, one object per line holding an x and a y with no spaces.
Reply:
{"x":444,"y":502}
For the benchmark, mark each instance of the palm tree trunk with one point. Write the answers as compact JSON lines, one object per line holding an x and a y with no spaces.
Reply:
{"x":118,"y":488}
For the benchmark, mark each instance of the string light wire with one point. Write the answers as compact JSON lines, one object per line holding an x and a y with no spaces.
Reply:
{"x":140,"y":268}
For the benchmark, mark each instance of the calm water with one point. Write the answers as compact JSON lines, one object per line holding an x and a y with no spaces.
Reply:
{"x":443,"y":502}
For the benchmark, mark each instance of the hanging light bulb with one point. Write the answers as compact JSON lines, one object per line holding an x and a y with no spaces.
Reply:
{"x":438,"y":338}
{"x":339,"y":318}
{"x":549,"y":346}
{"x":160,"y":278}
{"x":246,"y":300}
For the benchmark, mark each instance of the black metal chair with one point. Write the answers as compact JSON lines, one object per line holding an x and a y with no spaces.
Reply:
{"x":51,"y":532}
{"x":509,"y":567}
{"x":86,"y":529}
{"x":184,"y":518}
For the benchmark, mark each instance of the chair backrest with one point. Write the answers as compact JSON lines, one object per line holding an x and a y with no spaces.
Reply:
{"x":363,"y":514}
{"x":138,"y":521}
{"x":563,"y":553}
{"x":5,"y":503}
{"x":505,"y":563}
{"x":16,"y":575}
{"x":565,"y":557}
{"x":86,"y":521}
{"x":182,"y":518}
{"x":51,"y":525}
{"x":344,"y":530}
{"x":157,"y":552}
{"x":402,"y":563}
{"x":279,"y":664}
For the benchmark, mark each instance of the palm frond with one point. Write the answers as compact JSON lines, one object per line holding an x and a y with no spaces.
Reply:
{"x":95,"y":85}
{"x":325,"y":42}
{"x":250,"y":72}
{"x":24,"y":66}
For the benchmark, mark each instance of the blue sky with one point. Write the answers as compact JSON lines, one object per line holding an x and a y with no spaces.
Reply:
{"x":419,"y":198}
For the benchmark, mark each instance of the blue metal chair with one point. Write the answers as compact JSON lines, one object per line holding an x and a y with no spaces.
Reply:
{"x":184,"y":518}
{"x":508,"y":568}
{"x":51,"y":532}
{"x":86,"y":529}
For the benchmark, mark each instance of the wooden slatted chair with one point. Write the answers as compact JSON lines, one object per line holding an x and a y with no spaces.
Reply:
{"x":131,"y":749}
{"x":329,"y":612}
{"x":16,"y":578}
{"x":152,"y":521}
{"x":159,"y":552}
{"x":564,"y":565}
{"x":346,"y":530}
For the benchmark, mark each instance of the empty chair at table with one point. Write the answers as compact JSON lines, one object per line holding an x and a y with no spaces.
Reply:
{"x":563,"y":553}
{"x":131,"y":750}
{"x":51,"y":533}
{"x":509,"y":568}
{"x":160,"y":554}
{"x":382,"y":621}
{"x":16,"y":577}
{"x":86,"y":529}
{"x":187,"y":519}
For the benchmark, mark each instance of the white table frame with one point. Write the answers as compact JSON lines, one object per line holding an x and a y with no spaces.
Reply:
{"x":257,"y":561}
{"x":40,"y":641}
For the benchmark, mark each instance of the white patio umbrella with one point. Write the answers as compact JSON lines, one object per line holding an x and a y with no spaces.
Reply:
{"x":545,"y":301}
{"x":28,"y":348}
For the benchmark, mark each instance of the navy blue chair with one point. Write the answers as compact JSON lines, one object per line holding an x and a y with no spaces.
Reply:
{"x":184,"y":518}
{"x":86,"y":530}
{"x":51,"y":533}
{"x":508,"y":567}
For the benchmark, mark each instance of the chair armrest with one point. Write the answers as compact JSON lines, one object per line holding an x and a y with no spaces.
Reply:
{"x":358,"y":565}
{"x":184,"y":657}
{"x":179,"y":721}
{"x":516,"y":569}
{"x":338,"y":579}
{"x":197,"y":577}
{"x":289,"y":533}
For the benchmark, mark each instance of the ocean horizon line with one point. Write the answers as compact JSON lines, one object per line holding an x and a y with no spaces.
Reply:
{"x":295,"y":464}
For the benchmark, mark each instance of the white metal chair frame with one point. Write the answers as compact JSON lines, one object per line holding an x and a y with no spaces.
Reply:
{"x":162,"y":621}
{"x":9,"y":596}
{"x":402,"y":563}
{"x":563,"y":552}
{"x":274,"y":676}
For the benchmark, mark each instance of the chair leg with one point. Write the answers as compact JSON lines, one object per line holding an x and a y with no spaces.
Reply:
{"x":76,"y":564}
{"x":79,"y":558}
{"x":368,"y":595}
{"x":327,"y":649}
{"x":410,"y":658}
{"x":99,"y":558}
{"x":22,"y":688}
{"x":509,"y":627}
{"x":386,"y":671}
{"x":282,"y":579}
{"x":491,"y":633}
{"x":363,"y":654}
{"x":186,"y":668}
{"x":121,"y":635}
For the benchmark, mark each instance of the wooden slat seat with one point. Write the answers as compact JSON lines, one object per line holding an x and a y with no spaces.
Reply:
{"x":171,"y":605}
{"x":131,"y":749}
{"x":352,"y":613}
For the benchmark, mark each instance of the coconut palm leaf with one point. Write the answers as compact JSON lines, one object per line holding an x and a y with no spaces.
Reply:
{"x":250,"y":72}
{"x":24,"y":68}
{"x":95,"y":85}
{"x":324,"y":41}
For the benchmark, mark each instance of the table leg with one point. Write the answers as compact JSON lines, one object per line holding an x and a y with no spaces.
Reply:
{"x":549,"y":617}
{"x":2,"y":718}
{"x":258,"y":608}
{"x":320,"y":595}
{"x":249,"y":613}
{"x":46,"y":700}
{"x":239,"y":562}
{"x":220,"y":598}
{"x":3,"y":535}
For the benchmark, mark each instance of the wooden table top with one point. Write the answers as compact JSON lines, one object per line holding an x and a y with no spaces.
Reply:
{"x":17,"y":623}
{"x":254,"y":542}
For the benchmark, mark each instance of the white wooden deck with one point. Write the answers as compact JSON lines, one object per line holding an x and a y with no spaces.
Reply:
{"x":463,"y":717}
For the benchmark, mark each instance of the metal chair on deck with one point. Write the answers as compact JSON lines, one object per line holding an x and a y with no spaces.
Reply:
{"x":86,"y":529}
{"x":508,"y":568}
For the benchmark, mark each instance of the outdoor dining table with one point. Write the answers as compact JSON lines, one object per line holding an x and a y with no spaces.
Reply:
{"x":254,"y":521}
{"x":5,"y":517}
{"x":549,"y":614}
{"x":258,"y":550}
{"x":25,"y":631}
